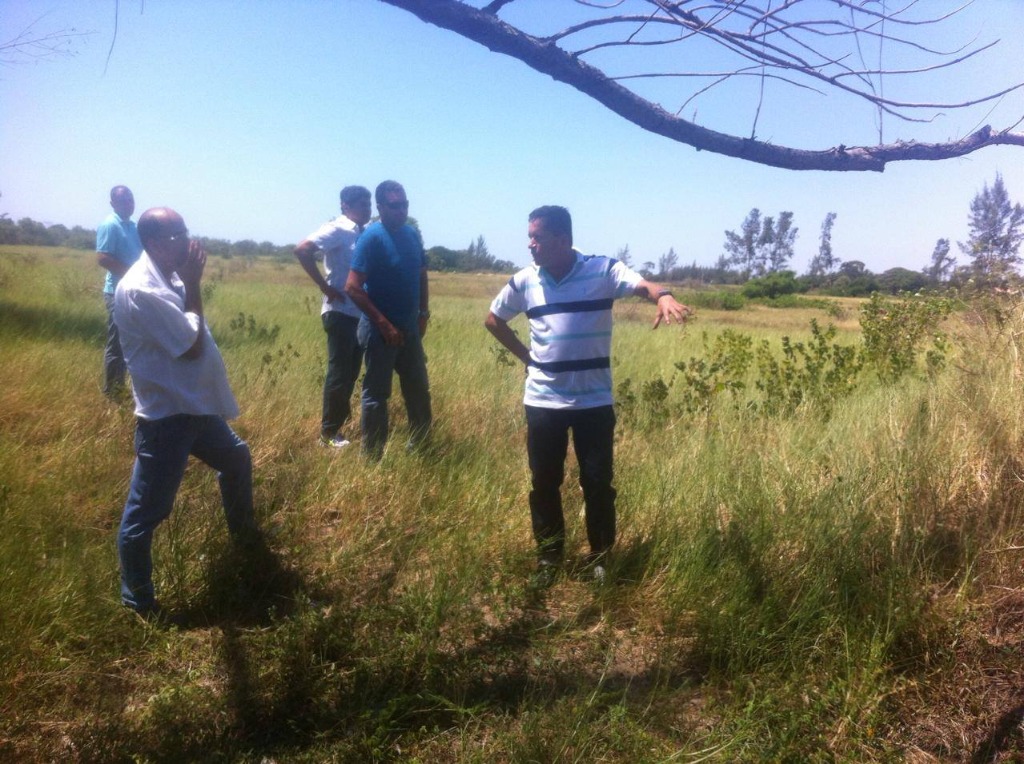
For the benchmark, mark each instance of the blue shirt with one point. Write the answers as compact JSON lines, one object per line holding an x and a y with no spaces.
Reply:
{"x":570,"y":329}
{"x":392,"y":262}
{"x":119,"y":239}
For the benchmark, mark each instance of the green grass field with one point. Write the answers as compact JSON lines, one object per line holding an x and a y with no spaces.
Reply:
{"x":836,"y":580}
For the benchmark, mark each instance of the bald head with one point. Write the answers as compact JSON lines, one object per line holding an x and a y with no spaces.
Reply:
{"x":159,"y":222}
{"x":164,"y":237}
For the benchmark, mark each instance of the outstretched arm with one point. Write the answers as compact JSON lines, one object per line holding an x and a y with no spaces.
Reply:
{"x":668,"y":309}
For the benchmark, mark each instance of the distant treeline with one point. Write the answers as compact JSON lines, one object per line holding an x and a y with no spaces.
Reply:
{"x":852,"y":279}
{"x":30,"y":232}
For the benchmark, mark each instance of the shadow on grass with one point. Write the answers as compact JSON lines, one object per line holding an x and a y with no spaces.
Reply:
{"x":247,"y":585}
{"x":1006,"y":738}
{"x":21,"y":322}
{"x":355,"y":672}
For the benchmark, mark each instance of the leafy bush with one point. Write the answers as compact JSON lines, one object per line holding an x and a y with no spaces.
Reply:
{"x":894,"y":332}
{"x":722,"y":368}
{"x":820,"y":372}
{"x":720,"y":300}
{"x":773,"y":285}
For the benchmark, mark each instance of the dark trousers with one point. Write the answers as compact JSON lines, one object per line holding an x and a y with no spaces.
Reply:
{"x":547,"y":442}
{"x":114,"y":367}
{"x":344,"y":359}
{"x":382,"y":362}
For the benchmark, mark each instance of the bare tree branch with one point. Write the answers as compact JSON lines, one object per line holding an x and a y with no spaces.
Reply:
{"x":495,"y":6}
{"x":793,"y":42}
{"x":30,"y":46}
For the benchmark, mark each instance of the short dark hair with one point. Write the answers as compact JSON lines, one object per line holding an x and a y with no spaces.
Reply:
{"x":557,"y":220}
{"x":352,"y":194}
{"x":387,"y":187}
{"x":118,"y":190}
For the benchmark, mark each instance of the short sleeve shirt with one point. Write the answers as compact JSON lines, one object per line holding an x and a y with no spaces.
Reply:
{"x":337,"y":240}
{"x":570,"y":329}
{"x":119,"y":239}
{"x":392,"y":262}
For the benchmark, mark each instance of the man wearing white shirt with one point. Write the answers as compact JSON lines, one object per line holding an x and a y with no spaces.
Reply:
{"x":182,"y":397}
{"x":336,"y":239}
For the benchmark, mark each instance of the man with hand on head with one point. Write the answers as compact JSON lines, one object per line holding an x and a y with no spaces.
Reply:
{"x":336,"y":239}
{"x":388,"y":281}
{"x":182,"y":398}
{"x":117,"y":248}
{"x":567,"y":298}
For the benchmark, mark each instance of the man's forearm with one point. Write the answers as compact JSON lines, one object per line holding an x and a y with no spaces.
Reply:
{"x":194,"y":304}
{"x":652,"y":290}
{"x":503,"y":333}
{"x":365,"y":304}
{"x":305,"y":254}
{"x":314,"y":273}
{"x":111,"y":263}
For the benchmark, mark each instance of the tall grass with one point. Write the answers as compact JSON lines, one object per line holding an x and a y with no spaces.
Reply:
{"x":794,"y":587}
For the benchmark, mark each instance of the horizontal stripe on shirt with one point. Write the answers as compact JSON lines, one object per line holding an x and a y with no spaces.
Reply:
{"x":580,"y":306}
{"x":583,"y":364}
{"x":541,"y":341}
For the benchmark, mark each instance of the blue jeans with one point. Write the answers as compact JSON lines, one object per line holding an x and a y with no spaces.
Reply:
{"x":344,"y":357}
{"x":113,"y":359}
{"x":547,"y":443}
{"x":162,"y":448}
{"x":382,"y":360}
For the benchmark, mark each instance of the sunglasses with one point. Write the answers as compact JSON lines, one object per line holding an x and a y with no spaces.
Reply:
{"x":175,"y":236}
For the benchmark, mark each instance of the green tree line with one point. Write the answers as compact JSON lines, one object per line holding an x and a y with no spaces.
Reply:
{"x":29,"y":232}
{"x":758,"y":254}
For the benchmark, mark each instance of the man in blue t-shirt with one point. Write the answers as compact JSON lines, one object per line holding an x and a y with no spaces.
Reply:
{"x":388,"y":282}
{"x":117,"y":248}
{"x":567,"y":298}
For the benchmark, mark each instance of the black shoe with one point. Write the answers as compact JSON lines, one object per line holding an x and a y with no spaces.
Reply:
{"x":155,"y":615}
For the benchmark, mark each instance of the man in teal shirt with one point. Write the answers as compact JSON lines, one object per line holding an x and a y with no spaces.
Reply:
{"x":117,"y":248}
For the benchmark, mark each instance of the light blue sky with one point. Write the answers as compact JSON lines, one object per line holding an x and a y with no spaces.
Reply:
{"x":248,"y":118}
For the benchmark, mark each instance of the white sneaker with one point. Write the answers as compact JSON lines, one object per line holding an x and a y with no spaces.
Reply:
{"x":335,"y":441}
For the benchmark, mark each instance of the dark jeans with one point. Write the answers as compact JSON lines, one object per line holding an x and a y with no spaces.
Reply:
{"x":383,"y":360}
{"x":547,"y":442}
{"x":162,"y":448}
{"x":113,"y":359}
{"x":344,"y":357}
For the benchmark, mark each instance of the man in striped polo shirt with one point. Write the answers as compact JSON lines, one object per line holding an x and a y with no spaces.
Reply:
{"x":567,"y":298}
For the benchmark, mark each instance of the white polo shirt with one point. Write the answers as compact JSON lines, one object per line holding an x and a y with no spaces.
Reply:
{"x":337,"y":239}
{"x":570,"y":329}
{"x":155,"y":331}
